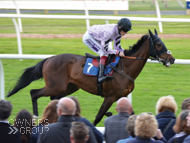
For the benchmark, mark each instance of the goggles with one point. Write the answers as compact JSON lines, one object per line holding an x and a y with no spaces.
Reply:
{"x":125,"y":30}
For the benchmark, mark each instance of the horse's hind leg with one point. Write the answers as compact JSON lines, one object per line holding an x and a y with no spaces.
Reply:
{"x":34,"y":95}
{"x":71,"y":88}
{"x":55,"y":93}
{"x":37,"y":93}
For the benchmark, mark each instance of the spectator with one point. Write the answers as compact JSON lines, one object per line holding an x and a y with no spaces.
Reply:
{"x":60,"y":131}
{"x":97,"y":133}
{"x":146,"y":127}
{"x":24,"y":123}
{"x":115,"y":125}
{"x":130,"y":127}
{"x":79,"y":132}
{"x":181,"y":129}
{"x":49,"y":116}
{"x":185,"y":104}
{"x":187,"y":139}
{"x":8,"y":134}
{"x":166,"y":108}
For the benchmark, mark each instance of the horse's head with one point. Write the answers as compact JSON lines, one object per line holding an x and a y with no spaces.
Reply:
{"x":158,"y":50}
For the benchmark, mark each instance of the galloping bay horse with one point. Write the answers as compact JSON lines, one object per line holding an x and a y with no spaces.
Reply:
{"x":63,"y":74}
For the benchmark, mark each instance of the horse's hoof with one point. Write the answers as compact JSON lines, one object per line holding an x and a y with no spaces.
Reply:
{"x":35,"y":117}
{"x":108,"y":114}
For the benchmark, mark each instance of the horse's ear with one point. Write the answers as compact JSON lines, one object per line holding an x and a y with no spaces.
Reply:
{"x":151,"y":35}
{"x":155,"y":32}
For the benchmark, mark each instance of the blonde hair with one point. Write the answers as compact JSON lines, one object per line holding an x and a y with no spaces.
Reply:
{"x":146,"y":125}
{"x":166,"y":103}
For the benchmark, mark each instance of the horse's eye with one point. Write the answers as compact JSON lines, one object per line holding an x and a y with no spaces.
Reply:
{"x":159,"y":45}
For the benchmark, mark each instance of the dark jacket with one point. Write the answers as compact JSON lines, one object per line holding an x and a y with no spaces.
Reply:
{"x":97,"y":133}
{"x":115,"y":127}
{"x":163,"y":119}
{"x":143,"y":140}
{"x":59,"y":132}
{"x":8,"y":134}
{"x":178,"y":138}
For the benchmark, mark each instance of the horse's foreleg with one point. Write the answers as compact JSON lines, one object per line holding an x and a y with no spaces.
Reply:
{"x":108,"y":101}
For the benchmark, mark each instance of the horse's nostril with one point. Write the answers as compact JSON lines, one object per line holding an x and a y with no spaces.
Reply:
{"x":172,"y":60}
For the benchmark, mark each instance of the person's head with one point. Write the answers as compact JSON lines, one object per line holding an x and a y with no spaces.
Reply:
{"x":124,"y":25}
{"x":23,"y":118}
{"x":5,"y":109}
{"x":146,"y":125}
{"x":124,"y":105}
{"x":50,"y":114}
{"x":166,"y":103}
{"x":24,"y":123}
{"x":188,"y":120}
{"x":130,"y":127}
{"x":185,"y":104}
{"x":78,"y":110}
{"x":66,"y":106}
{"x":79,"y":132}
{"x":181,"y":123}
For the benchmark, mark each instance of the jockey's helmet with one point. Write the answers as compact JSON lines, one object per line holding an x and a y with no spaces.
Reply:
{"x":124,"y":24}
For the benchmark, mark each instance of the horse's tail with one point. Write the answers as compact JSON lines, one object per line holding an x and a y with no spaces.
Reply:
{"x":30,"y":74}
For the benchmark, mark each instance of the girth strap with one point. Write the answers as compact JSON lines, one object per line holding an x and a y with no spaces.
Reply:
{"x":122,"y":73}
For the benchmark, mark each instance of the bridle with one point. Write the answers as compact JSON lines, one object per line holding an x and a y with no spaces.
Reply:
{"x":153,"y":54}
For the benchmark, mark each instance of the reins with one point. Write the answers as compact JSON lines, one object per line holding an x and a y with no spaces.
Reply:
{"x":151,"y":45}
{"x":135,"y":58}
{"x":128,"y":57}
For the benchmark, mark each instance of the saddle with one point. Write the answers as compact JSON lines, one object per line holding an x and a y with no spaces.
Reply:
{"x":91,"y":67}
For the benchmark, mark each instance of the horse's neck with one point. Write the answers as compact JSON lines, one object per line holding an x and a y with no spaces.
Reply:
{"x":134,"y":67}
{"x":143,"y":51}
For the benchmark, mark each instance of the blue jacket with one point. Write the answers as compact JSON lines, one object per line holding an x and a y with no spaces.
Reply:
{"x":143,"y":140}
{"x":124,"y":140}
{"x":187,"y":139}
{"x":163,"y":119}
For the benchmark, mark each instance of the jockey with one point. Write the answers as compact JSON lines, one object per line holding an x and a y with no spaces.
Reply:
{"x":97,"y":38}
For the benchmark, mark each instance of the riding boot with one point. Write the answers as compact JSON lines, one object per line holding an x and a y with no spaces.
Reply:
{"x":101,"y":77}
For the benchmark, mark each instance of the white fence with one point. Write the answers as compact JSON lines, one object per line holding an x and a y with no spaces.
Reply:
{"x":13,"y":16}
{"x":25,"y":56}
{"x":75,"y":5}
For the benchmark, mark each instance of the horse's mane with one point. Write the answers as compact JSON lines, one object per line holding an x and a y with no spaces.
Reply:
{"x":136,"y":46}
